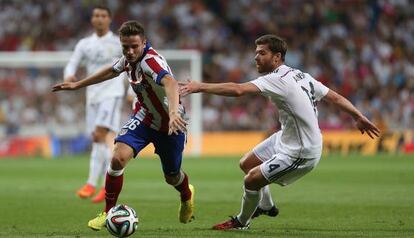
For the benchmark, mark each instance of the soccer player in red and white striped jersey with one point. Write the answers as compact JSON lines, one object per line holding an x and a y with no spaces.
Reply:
{"x":145,"y":76}
{"x":158,"y":118}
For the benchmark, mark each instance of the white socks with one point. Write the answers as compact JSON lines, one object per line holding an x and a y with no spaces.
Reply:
{"x":266,"y":201}
{"x":99,"y":163}
{"x":107,"y":153}
{"x":249,"y":203}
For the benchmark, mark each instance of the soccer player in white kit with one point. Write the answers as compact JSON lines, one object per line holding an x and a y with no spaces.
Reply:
{"x":103,"y":101}
{"x":296,"y":149}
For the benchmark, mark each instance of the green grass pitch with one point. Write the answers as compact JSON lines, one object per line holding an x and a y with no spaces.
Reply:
{"x":351,"y":196}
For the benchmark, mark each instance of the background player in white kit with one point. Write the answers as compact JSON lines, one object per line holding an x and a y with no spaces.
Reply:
{"x":103,"y":101}
{"x":296,"y":149}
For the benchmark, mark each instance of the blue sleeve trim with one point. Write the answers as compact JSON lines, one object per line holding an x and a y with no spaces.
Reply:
{"x":160,"y":76}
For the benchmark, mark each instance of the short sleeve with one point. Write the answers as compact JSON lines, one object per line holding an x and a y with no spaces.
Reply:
{"x":120,"y":65}
{"x":270,"y":84}
{"x":320,"y":89}
{"x":155,"y":67}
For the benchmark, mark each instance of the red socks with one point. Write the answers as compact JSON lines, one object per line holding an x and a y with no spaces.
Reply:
{"x":184,"y":190}
{"x":113,"y":186}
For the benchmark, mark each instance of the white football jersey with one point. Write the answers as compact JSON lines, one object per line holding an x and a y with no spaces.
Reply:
{"x":95,"y":52}
{"x":295,"y":93}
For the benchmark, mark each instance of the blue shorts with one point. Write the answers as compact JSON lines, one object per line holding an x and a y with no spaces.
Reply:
{"x":168,"y":147}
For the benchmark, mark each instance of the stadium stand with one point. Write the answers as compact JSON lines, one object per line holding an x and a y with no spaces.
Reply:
{"x":362,"y":49}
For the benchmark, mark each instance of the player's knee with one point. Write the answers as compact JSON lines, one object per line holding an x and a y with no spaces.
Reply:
{"x":172,"y":180}
{"x":99,"y":134}
{"x":95,"y":137}
{"x":248,"y":162}
{"x":118,"y":162}
{"x":251,"y":182}
{"x":248,"y":180}
{"x":244,"y":166}
{"x":98,"y":137}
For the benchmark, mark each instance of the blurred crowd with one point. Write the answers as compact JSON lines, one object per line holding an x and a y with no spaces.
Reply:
{"x":363,"y":49}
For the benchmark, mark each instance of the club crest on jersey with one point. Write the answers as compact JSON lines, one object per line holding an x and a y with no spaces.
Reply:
{"x":139,"y":87}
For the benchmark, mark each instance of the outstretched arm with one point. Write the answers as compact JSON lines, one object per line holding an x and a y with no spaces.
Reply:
{"x":362,"y":123}
{"x":224,"y":89}
{"x":100,"y":76}
{"x":176,"y":123}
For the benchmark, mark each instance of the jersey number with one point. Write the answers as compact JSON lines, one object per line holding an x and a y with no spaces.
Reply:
{"x":311,"y":95}
{"x":132,"y":124}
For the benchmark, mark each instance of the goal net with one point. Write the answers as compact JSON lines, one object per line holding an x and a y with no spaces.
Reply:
{"x":32,"y":110}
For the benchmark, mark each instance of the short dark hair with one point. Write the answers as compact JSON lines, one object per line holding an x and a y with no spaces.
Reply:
{"x":103,"y":7}
{"x":275,"y":44}
{"x":131,"y":28}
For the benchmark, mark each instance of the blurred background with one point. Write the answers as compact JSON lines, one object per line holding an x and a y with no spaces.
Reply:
{"x":362,"y":49}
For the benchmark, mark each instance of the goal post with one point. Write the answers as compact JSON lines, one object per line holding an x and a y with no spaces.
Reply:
{"x":186,"y":64}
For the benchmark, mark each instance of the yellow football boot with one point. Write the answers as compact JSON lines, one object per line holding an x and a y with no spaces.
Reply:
{"x":186,"y":209}
{"x":98,"y":222}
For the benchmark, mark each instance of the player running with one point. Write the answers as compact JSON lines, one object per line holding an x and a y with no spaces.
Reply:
{"x":158,"y":118}
{"x":296,"y":149}
{"x":103,"y":101}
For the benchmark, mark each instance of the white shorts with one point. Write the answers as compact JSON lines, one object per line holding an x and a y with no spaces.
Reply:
{"x":281,"y":168}
{"x":106,"y":114}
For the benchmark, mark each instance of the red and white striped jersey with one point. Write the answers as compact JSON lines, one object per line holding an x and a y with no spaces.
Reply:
{"x":151,"y":106}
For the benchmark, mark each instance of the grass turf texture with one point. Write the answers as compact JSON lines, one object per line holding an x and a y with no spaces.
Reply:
{"x":351,"y":196}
